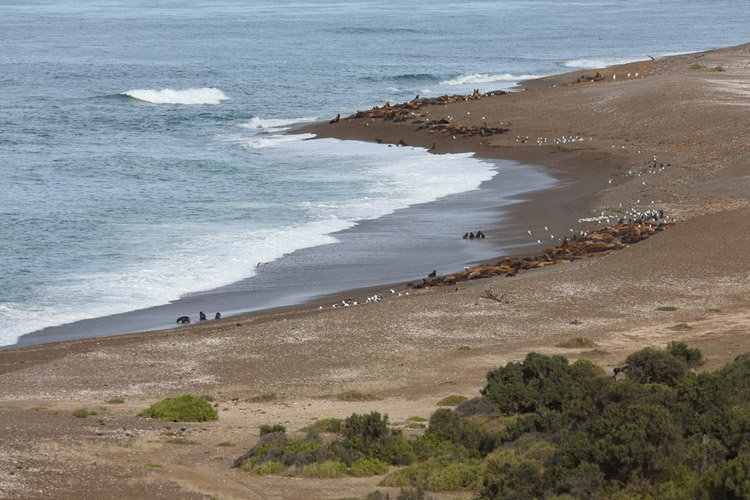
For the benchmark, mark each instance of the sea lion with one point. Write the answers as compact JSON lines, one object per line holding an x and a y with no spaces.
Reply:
{"x":466,"y":235}
{"x":218,"y":316}
{"x":202,"y":316}
{"x":183,"y":319}
{"x":336,"y":120}
{"x":432,"y":274}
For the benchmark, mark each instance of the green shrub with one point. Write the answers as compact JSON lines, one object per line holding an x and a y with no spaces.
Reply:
{"x":680,"y":327}
{"x":268,"y":428}
{"x":185,"y":408}
{"x":438,"y":475}
{"x":692,"y":357}
{"x":577,"y":343}
{"x":651,"y":365}
{"x":116,"y":401}
{"x":265,"y":469}
{"x":452,"y":400}
{"x":366,"y":467}
{"x":361,"y":431}
{"x":510,"y":475}
{"x":541,"y":382}
{"x":417,"y":419}
{"x":696,"y":66}
{"x":717,"y":69}
{"x":328,"y":469}
{"x":666,"y":308}
{"x":729,"y":480}
{"x":83,"y":413}
{"x":325,"y":425}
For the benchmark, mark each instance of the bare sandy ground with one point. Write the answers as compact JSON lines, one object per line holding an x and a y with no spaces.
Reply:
{"x":410,"y":351}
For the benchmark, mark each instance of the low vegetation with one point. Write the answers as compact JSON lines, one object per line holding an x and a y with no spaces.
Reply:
{"x":452,"y":400}
{"x":83,"y":413}
{"x":717,"y":69}
{"x":577,"y":343}
{"x":547,"y":428}
{"x":666,"y":308}
{"x":356,"y":396}
{"x":696,"y":66}
{"x":185,"y":408}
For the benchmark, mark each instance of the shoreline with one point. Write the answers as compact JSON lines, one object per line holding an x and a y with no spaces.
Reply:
{"x":689,"y":284}
{"x":528,"y":208}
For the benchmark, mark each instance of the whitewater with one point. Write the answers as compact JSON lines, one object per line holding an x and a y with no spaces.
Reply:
{"x":147,"y":159}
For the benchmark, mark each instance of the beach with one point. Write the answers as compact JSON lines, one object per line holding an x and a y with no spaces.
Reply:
{"x":649,"y":135}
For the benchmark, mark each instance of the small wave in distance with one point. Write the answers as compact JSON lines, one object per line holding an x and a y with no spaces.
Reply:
{"x":487,"y":78}
{"x":170,"y":96}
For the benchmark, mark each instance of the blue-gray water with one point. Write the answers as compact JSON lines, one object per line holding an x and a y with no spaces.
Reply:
{"x":140,"y":142}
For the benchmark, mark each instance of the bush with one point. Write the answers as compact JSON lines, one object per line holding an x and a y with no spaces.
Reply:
{"x":475,"y":406}
{"x":185,"y":408}
{"x":729,"y":480}
{"x":717,"y":69}
{"x":265,"y":469}
{"x":366,"y":467}
{"x":510,"y":475}
{"x":696,"y":66}
{"x":692,"y":357}
{"x":438,"y":475}
{"x":267,"y":428}
{"x":452,"y":400}
{"x":361,"y":431}
{"x":328,"y":469}
{"x":540,"y":382}
{"x":651,"y":365}
{"x":325,"y":425}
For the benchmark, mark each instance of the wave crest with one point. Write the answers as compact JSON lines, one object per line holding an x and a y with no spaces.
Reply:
{"x":274,"y":123}
{"x":600,"y":62}
{"x":187,"y":96}
{"x":465,"y":79}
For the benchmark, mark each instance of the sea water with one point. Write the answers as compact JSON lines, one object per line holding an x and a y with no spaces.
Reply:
{"x":143,"y":151}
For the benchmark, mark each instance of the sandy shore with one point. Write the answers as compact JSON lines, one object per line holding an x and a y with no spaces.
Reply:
{"x":409,"y":351}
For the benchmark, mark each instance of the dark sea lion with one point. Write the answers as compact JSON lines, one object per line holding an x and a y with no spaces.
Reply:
{"x":218,"y":316}
{"x":202,"y":316}
{"x":183,"y":319}
{"x":432,"y":274}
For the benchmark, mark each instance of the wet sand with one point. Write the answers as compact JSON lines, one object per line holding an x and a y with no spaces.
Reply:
{"x":410,"y":351}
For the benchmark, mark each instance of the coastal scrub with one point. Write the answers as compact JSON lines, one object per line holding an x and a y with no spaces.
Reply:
{"x":185,"y":408}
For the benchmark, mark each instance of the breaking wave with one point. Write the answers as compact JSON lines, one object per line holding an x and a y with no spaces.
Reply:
{"x":487,"y":78}
{"x":169,"y":96}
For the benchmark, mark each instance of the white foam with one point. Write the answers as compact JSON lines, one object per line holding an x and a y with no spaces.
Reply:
{"x":601,"y":62}
{"x":258,"y":142}
{"x":200,"y":256}
{"x":274,"y":123}
{"x":187,"y":96}
{"x":487,"y":78}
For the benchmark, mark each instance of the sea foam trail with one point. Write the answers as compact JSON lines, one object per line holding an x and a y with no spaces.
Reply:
{"x":487,"y":78}
{"x":192,"y":257}
{"x":187,"y":96}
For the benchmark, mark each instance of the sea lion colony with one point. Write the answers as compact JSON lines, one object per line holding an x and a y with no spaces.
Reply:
{"x":604,"y":240}
{"x":409,"y":111}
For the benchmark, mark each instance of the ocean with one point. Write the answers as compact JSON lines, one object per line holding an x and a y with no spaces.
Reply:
{"x":145,"y":157}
